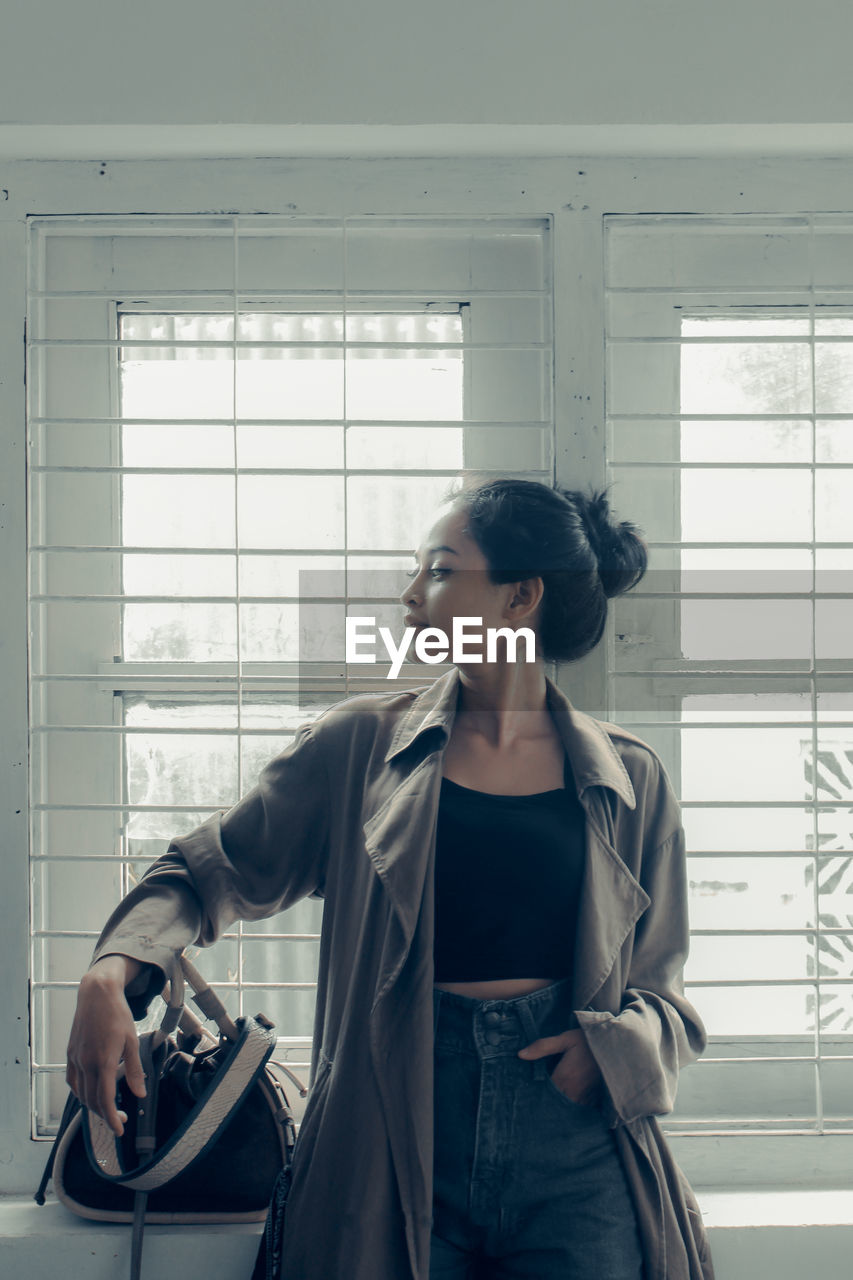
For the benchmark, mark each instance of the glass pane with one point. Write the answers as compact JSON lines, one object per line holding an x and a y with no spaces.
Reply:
{"x":746,"y":629}
{"x":757,"y":1011}
{"x":748,"y":377}
{"x":754,"y":321}
{"x":288,"y":382}
{"x":696,"y":441}
{"x":181,"y":769}
{"x":757,"y":570}
{"x":171,"y":575}
{"x":748,"y":505}
{"x":199,"y":711}
{"x":180,"y":632}
{"x":288,"y":512}
{"x":178,"y":511}
{"x":177,"y":382}
{"x":306,"y":632}
{"x":282,"y":961}
{"x":751,"y":893}
{"x":746,"y":764}
{"x":834,"y":441}
{"x":300,"y":575}
{"x":755,"y":958}
{"x":834,"y":507}
{"x":746,"y":830}
{"x":719,"y":504}
{"x":176,"y":444}
{"x":390,"y":511}
{"x":395,"y":447}
{"x":384,"y":383}
{"x":833,"y":377}
{"x":313,"y":445}
{"x":835,"y":826}
{"x":291,"y":1011}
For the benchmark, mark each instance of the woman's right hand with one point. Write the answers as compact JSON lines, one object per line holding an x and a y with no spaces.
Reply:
{"x":103,"y":1035}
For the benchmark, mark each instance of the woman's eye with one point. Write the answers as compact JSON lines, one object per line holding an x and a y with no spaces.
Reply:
{"x":413,"y":573}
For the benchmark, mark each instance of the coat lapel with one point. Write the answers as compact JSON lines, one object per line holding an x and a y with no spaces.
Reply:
{"x":611,"y":899}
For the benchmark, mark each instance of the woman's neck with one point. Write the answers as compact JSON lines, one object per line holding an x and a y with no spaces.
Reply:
{"x":504,"y":703}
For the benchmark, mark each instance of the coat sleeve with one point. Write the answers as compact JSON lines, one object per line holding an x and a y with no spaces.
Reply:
{"x":246,"y":863}
{"x":641,"y":1049}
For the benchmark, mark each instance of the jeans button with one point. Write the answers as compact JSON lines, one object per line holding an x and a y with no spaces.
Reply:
{"x":493,"y":1037}
{"x":492,"y":1018}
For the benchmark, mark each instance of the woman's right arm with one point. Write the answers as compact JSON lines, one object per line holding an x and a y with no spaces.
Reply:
{"x":267,"y":852}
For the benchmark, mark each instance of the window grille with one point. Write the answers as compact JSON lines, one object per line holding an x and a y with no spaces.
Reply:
{"x":730,"y":439}
{"x":236,"y":428}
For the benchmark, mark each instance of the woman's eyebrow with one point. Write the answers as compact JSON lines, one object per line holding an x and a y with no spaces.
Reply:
{"x":433,"y":550}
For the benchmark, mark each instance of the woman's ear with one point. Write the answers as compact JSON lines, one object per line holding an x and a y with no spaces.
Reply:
{"x":525,"y":597}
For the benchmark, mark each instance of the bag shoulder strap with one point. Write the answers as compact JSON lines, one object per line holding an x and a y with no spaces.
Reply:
{"x":245,"y":1060}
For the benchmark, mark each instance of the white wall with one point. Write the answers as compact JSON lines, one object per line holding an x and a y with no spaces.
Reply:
{"x":282,"y":68}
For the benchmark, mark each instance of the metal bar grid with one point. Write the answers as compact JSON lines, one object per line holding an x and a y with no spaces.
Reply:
{"x":240,"y":680}
{"x":805,"y":298}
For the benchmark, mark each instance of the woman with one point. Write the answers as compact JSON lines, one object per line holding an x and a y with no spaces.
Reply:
{"x":498,"y":1020}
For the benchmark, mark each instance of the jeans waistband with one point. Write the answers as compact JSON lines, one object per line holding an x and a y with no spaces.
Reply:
{"x":495,"y":1028}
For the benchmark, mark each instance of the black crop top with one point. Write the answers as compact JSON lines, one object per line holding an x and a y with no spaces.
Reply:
{"x":507,"y":880}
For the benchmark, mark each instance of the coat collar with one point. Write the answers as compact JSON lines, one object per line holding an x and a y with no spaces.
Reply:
{"x":593,"y":757}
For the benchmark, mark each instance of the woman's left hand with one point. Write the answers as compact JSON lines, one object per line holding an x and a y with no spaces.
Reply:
{"x":576,"y":1074}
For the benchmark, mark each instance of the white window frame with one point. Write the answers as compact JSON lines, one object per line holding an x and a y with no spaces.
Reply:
{"x":94,"y":371}
{"x":577,"y":193}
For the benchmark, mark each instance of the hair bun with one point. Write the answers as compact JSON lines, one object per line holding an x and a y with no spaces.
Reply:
{"x":618,"y":547}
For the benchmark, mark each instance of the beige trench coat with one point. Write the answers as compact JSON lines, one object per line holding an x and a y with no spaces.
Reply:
{"x":348,"y":813}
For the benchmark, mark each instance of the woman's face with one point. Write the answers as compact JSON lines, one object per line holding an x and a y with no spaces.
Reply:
{"x":451,"y":579}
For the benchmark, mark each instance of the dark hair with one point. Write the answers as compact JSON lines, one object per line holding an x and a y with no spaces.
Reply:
{"x":526,"y":529}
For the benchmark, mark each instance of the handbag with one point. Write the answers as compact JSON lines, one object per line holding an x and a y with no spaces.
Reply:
{"x":211,"y":1141}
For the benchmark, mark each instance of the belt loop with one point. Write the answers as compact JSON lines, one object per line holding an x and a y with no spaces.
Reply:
{"x":528,"y":1022}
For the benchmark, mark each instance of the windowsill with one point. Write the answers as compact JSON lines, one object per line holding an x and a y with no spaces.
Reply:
{"x":722,"y":1210}
{"x":787,"y":1233}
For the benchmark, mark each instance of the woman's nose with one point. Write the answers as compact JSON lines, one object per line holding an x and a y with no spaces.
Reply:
{"x":410,"y":593}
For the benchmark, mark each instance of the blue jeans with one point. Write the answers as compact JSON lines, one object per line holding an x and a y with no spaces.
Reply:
{"x":527,"y":1184}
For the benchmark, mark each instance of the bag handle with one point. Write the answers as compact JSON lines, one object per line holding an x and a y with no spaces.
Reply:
{"x":205,"y":998}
